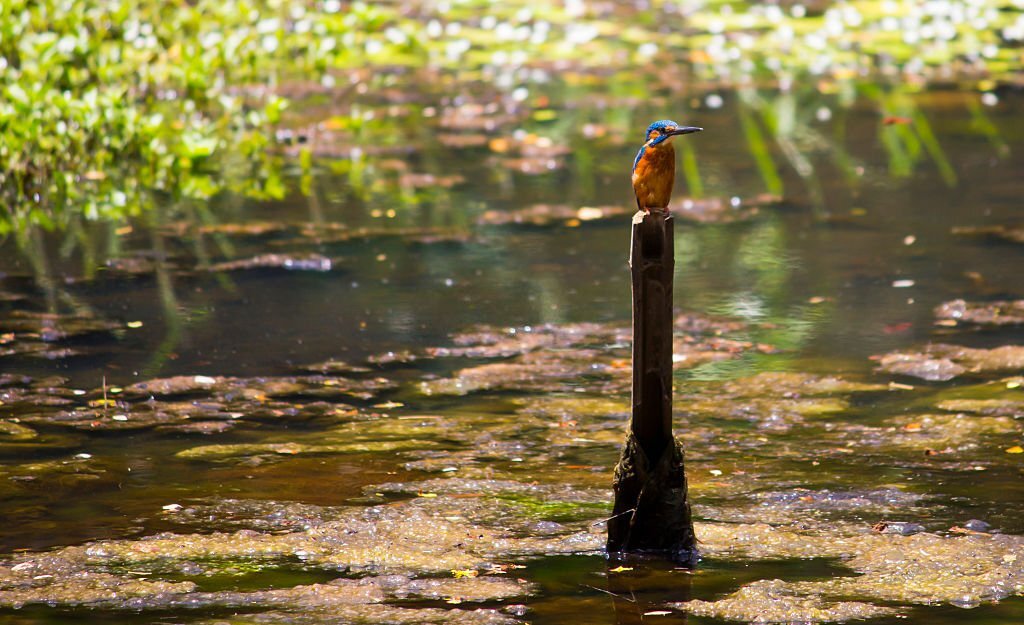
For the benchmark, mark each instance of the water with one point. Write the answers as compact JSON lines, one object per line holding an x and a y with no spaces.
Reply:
{"x":849,"y":265}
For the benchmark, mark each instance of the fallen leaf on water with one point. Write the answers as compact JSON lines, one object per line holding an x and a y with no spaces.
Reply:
{"x":501,"y":569}
{"x":499,"y":145}
{"x":620,"y":569}
{"x":965,"y":531}
{"x":1016,"y":449}
{"x":460,"y":573}
{"x":896,"y":328}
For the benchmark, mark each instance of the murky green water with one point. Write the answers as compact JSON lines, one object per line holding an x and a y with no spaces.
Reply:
{"x":514,"y":433}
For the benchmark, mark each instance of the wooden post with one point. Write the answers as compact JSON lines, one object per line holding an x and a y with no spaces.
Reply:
{"x":651,"y":513}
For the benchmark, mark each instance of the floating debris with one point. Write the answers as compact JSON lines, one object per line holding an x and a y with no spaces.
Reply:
{"x":549,"y":214}
{"x":1010,"y":233}
{"x":410,"y":539}
{"x":542,"y":371}
{"x":374,"y":613}
{"x":332,"y":367}
{"x":903,"y":528}
{"x":918,"y":569}
{"x":493,"y":342}
{"x":291,"y":262}
{"x":701,"y":210}
{"x":991,"y":407}
{"x":776,"y":601}
{"x":921,"y":365}
{"x":248,"y":228}
{"x":791,"y":384}
{"x":132,"y":265}
{"x":15,"y":432}
{"x":423,"y":180}
{"x":51,"y":327}
{"x":722,"y":210}
{"x":252,"y":450}
{"x":998,"y":313}
{"x":258,"y":388}
{"x":941,"y":362}
{"x":193,"y":404}
{"x":389,"y":358}
{"x":462,"y":140}
{"x":574,"y":357}
{"x":828,"y":500}
{"x":775,"y":400}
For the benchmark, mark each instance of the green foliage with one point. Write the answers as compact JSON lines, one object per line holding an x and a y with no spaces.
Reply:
{"x":105,"y":101}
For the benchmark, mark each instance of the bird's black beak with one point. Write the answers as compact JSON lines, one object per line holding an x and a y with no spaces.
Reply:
{"x":684,"y":130}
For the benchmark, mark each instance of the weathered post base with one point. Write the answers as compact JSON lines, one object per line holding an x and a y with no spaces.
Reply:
{"x":652,"y":509}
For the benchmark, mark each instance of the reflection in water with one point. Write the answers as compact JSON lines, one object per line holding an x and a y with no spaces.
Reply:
{"x":635,"y":582}
{"x":172,"y":317}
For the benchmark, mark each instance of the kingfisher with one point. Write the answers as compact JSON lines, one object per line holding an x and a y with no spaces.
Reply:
{"x":654,"y":169}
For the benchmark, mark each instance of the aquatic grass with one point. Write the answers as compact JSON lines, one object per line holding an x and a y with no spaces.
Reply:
{"x":981,"y":123}
{"x":104,"y":102}
{"x":691,"y":172}
{"x":757,"y":145}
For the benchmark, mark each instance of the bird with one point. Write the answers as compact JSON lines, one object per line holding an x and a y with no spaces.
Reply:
{"x":654,"y":169}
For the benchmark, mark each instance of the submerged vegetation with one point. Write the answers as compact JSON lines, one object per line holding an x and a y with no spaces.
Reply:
{"x":107,"y":103}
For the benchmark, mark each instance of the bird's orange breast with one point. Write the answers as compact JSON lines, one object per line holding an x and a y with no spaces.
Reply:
{"x":654,"y":177}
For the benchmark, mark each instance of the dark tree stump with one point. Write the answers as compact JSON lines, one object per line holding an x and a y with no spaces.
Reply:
{"x":652,"y":511}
